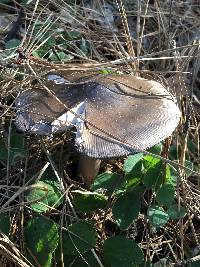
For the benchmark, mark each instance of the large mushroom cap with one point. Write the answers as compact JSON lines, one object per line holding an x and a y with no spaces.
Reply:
{"x":122,"y":113}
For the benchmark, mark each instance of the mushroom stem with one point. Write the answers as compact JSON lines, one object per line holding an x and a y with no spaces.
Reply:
{"x":88,"y":169}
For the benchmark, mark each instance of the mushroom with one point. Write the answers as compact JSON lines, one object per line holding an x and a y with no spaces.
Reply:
{"x":114,"y":115}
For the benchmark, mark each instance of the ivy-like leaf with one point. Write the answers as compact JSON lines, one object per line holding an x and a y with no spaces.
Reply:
{"x":79,"y":238}
{"x":41,"y":237}
{"x":127,"y":208}
{"x":108,"y":181}
{"x":13,"y":43}
{"x":5,"y":223}
{"x":89,"y":201}
{"x":17,"y":147}
{"x":176,"y":213}
{"x":131,"y":161}
{"x":157,"y":149}
{"x":165,"y":195}
{"x":156,"y":173}
{"x":119,"y":251}
{"x":45,"y":196}
{"x":157,"y":216}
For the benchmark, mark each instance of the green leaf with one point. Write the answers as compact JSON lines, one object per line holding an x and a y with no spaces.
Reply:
{"x":128,"y":184}
{"x":192,"y":146}
{"x":131,"y":161}
{"x":157,"y":149}
{"x":17,"y":147}
{"x":175,"y":213}
{"x":4,"y":1}
{"x":80,"y":238}
{"x":119,"y":251}
{"x":146,"y":264}
{"x":108,"y":181}
{"x":41,"y":237}
{"x":164,"y":262}
{"x":40,"y":53}
{"x":13,"y":43}
{"x":154,"y":176}
{"x":45,"y":196}
{"x":126,"y":208}
{"x":72,"y":35}
{"x":61,"y":57}
{"x":150,"y":161}
{"x":3,"y":150}
{"x":157,"y":216}
{"x":188,"y":164}
{"x":5,"y":223}
{"x":165,"y":195}
{"x":85,"y":260}
{"x":174,"y":153}
{"x":194,"y":264}
{"x":89,"y":201}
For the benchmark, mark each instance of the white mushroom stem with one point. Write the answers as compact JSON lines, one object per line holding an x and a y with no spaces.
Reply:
{"x":88,"y":169}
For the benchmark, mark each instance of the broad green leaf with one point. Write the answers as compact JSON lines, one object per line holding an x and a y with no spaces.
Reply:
{"x":126,"y":208}
{"x":157,"y":216}
{"x":3,"y":150}
{"x":176,"y":213}
{"x":189,"y":164}
{"x":174,"y":153}
{"x":40,"y":53}
{"x":164,"y":262}
{"x":5,"y":223}
{"x":72,"y":35}
{"x":89,"y":201}
{"x":192,"y":146}
{"x":45,"y":196}
{"x":157,"y":149}
{"x":155,"y":175}
{"x":41,"y":238}
{"x":107,"y":181}
{"x":106,"y":71}
{"x":194,"y":264}
{"x":150,"y":161}
{"x":13,"y":43}
{"x":80,"y":238}
{"x":85,"y":260}
{"x":17,"y":147}
{"x":61,"y":57}
{"x":131,"y":161}
{"x":4,"y":1}
{"x":119,"y":251}
{"x":128,"y":184}
{"x":165,"y":195}
{"x":146,"y":264}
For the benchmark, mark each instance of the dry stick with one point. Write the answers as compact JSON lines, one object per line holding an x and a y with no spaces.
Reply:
{"x":110,"y":136}
{"x":142,"y":30}
{"x":99,"y":66}
{"x":127,"y":32}
{"x":8,"y":158}
{"x":52,"y":165}
{"x":182,"y":161}
{"x":138,"y":30}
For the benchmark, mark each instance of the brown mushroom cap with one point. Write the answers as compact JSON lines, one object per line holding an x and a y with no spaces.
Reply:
{"x":139,"y":113}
